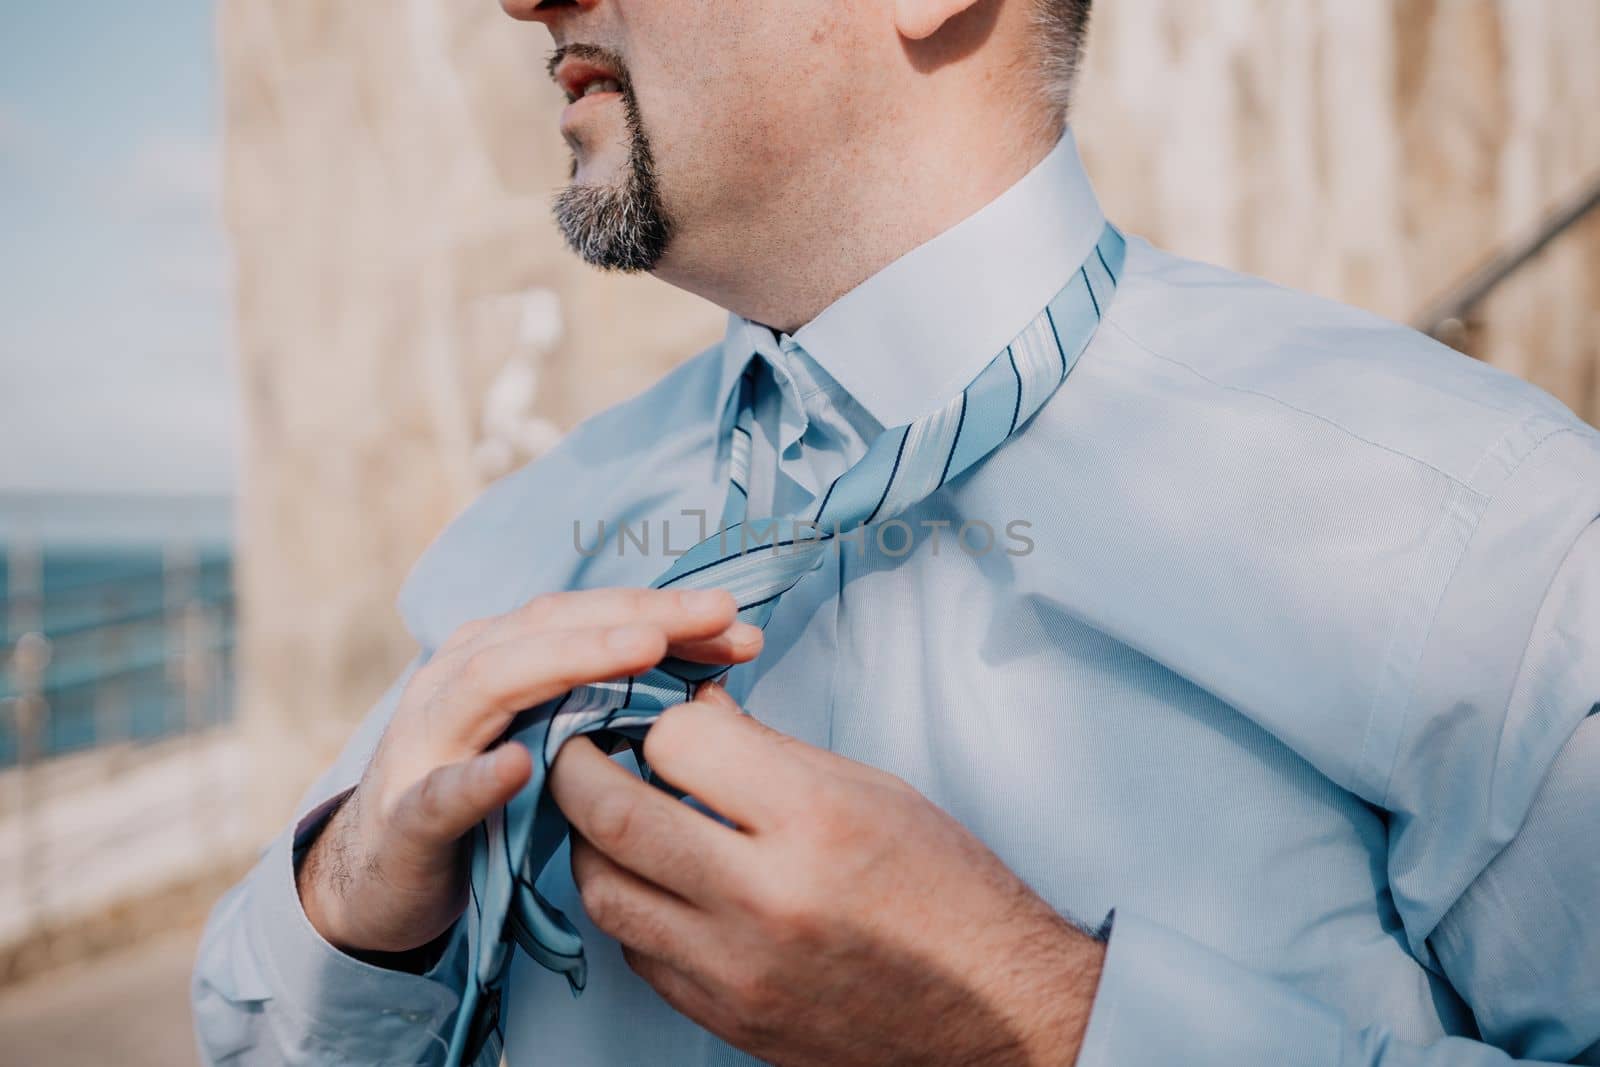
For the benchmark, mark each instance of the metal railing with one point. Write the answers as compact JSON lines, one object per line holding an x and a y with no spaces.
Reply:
{"x":1449,"y":318}
{"x":115,"y":778}
{"x":132,"y":656}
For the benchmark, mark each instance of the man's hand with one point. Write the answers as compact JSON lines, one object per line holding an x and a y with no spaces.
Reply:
{"x":388,"y":873}
{"x":845,"y":920}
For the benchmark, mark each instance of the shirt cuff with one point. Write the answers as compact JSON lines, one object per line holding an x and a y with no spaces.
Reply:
{"x":341,"y":1005}
{"x":1165,"y":999}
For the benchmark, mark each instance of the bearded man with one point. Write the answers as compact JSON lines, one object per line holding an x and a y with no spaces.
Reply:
{"x":1132,"y":662}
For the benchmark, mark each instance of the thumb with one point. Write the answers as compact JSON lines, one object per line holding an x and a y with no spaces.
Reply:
{"x":452,"y":799}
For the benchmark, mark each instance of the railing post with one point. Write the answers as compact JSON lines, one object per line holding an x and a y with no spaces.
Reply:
{"x":29,"y":658}
{"x":177,"y":594}
{"x":113,"y":715}
{"x":198,"y":693}
{"x":30,"y":655}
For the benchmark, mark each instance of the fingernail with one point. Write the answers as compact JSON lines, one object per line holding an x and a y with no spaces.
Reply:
{"x":704,"y":601}
{"x":630,"y":638}
{"x":744,"y":633}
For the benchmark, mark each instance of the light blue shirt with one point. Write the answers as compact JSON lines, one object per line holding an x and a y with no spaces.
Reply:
{"x":1277,"y":631}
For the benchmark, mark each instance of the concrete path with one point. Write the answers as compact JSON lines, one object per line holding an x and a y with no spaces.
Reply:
{"x":85,"y":832}
{"x":130,"y":1009}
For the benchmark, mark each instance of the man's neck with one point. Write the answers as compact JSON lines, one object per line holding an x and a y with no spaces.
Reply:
{"x":836,"y":222}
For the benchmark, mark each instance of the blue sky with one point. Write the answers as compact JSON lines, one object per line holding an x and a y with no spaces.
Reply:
{"x":116,"y":345}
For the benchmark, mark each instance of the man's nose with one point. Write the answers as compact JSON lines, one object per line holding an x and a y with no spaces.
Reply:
{"x":548,"y":12}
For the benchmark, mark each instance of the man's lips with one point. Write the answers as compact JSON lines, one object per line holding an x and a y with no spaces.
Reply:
{"x":580,"y":77}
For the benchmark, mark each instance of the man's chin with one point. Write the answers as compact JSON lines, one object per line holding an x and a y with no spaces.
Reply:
{"x":612,"y":213}
{"x":616,"y":227}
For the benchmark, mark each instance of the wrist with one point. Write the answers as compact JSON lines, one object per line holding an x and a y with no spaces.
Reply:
{"x":392,"y":913}
{"x":1056,"y":991}
{"x":323,"y":875}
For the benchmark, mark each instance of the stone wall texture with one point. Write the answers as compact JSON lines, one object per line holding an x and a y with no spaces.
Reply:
{"x":1372,"y":151}
{"x":410,"y":325}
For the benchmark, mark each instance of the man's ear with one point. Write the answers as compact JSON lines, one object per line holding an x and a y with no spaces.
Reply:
{"x":921,"y":19}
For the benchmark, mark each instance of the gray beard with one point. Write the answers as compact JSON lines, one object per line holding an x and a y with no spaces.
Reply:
{"x":621,"y":227}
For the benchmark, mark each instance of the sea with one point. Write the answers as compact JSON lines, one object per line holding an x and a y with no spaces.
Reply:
{"x":116,"y":620}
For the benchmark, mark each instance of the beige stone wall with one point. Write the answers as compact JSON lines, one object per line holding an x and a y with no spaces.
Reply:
{"x":388,"y":176}
{"x":1368,"y":150}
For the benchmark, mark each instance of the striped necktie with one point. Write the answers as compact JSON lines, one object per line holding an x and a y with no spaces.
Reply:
{"x":901,"y":467}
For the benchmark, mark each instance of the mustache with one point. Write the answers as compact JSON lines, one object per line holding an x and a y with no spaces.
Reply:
{"x":594,"y":54}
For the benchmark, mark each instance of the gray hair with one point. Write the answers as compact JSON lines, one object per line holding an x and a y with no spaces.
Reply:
{"x":1062,"y":26}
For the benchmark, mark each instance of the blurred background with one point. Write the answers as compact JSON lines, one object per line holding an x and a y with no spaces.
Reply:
{"x":281,"y":294}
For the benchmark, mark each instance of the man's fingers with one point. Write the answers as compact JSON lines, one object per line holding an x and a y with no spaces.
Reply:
{"x":450,"y":800}
{"x":497,"y":681}
{"x":739,"y":643}
{"x":692,"y":613}
{"x":498,"y":668}
{"x":743,"y":770}
{"x":712,"y":693}
{"x":641,"y":828}
{"x":682,"y":615}
{"x":637,"y":913}
{"x":741,"y":767}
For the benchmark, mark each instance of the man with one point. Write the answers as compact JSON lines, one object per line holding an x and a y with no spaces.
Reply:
{"x":1255,"y":730}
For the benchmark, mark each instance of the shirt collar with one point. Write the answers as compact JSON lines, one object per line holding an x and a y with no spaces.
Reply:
{"x":908,"y":338}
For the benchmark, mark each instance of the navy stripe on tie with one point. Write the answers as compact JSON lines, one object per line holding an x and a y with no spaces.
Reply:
{"x":899,"y":454}
{"x":513,"y":916}
{"x":1055,"y":333}
{"x":1109,"y":273}
{"x":825,"y":498}
{"x":505,"y":838}
{"x":766,"y":599}
{"x":1087,"y":284}
{"x":1017,"y":407}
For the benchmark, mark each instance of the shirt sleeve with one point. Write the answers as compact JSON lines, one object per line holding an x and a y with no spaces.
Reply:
{"x":267,"y":989}
{"x":1521,"y":944}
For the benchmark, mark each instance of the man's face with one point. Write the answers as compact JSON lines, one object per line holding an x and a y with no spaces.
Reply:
{"x":686,"y":114}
